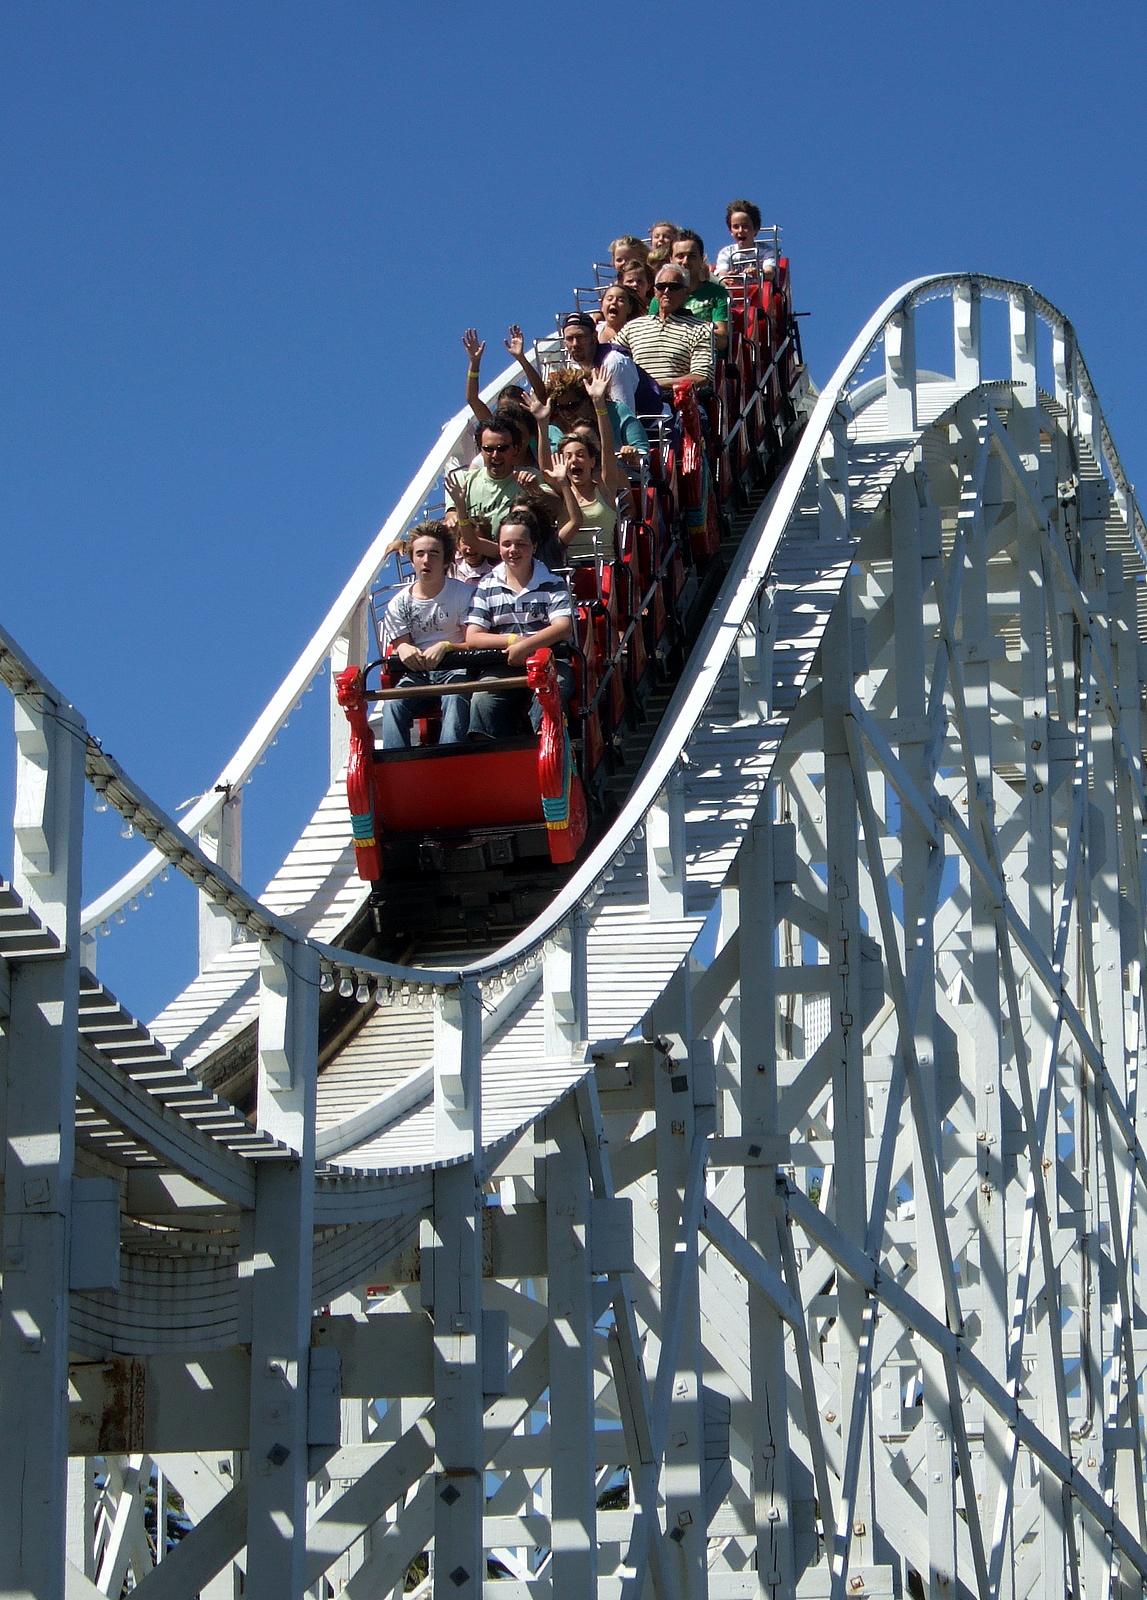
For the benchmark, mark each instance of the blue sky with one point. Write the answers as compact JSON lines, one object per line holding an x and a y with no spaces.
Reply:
{"x":241,"y":241}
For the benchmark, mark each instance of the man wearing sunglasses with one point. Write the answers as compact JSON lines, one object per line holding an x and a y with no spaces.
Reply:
{"x":670,"y":343}
{"x":496,"y":479}
{"x":704,"y":299}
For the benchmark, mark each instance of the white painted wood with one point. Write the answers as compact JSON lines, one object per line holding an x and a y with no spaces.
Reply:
{"x":972,"y":1132}
{"x":900,"y":370}
{"x":280,"y":1273}
{"x":39,"y":1153}
{"x":968,"y":333}
{"x":565,"y":1183}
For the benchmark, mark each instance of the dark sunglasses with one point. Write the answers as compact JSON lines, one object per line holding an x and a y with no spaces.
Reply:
{"x":664,"y":288}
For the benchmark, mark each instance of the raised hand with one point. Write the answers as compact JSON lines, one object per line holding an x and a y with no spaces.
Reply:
{"x":558,"y":474}
{"x":455,"y":485}
{"x":539,"y":409}
{"x":515,"y":343}
{"x":473,"y":346}
{"x":596,"y":385}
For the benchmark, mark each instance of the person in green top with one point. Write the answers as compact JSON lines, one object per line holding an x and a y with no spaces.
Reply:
{"x":707,"y":301}
{"x":496,"y":480}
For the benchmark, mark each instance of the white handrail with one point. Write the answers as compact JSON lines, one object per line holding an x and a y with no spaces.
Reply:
{"x":270,"y":721}
{"x":717,"y":640}
{"x":750,"y":569}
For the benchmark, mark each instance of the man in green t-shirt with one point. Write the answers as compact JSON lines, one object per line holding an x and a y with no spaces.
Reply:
{"x":707,"y":301}
{"x":496,"y":480}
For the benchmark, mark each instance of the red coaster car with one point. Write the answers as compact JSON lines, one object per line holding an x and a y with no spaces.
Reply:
{"x":524,"y":793}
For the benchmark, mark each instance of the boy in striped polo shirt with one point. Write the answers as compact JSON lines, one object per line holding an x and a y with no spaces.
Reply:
{"x":518,"y":607}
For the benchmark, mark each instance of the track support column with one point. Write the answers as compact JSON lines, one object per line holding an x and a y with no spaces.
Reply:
{"x":760,"y":1131}
{"x":452,"y":1289}
{"x":222,"y":841}
{"x":39,"y":1150}
{"x":900,"y":371}
{"x":280,"y":1271}
{"x":849,"y":1128}
{"x":915,"y":532}
{"x":565,"y":1183}
{"x":684,"y":1117}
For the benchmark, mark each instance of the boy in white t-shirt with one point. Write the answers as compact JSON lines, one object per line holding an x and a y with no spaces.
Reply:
{"x":424,"y":622}
{"x":743,"y":220}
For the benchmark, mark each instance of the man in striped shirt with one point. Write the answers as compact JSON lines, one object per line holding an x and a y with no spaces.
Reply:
{"x":670,"y":344}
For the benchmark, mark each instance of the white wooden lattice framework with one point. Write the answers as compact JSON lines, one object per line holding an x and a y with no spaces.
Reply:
{"x":808,"y":1264}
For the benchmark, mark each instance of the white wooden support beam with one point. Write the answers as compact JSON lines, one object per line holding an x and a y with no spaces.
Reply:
{"x":565,"y":1185}
{"x":126,"y":1546}
{"x":625,"y":1353}
{"x":1088,"y":420}
{"x":282,"y":1024}
{"x":565,"y":988}
{"x":452,"y":1288}
{"x":856,"y":1508}
{"x":32,"y":819}
{"x":834,"y":490}
{"x":1023,"y":420}
{"x":755,"y":657}
{"x":665,"y":849}
{"x":95,"y":1253}
{"x":81,"y":1515}
{"x":353,"y":647}
{"x":966,"y":330}
{"x":38,"y":1157}
{"x":908,"y":497}
{"x":222,"y":842}
{"x":1034,"y":897}
{"x":931,"y":1329}
{"x":1062,"y":361}
{"x":279,"y":1273}
{"x":683,"y":1110}
{"x":393,"y":1547}
{"x":900,"y":371}
{"x":772,"y":1488}
{"x":349,"y":1310}
{"x":1102,"y":576}
{"x":458,"y":1070}
{"x":50,"y":741}
{"x":347,"y":1515}
{"x":197,"y":1564}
